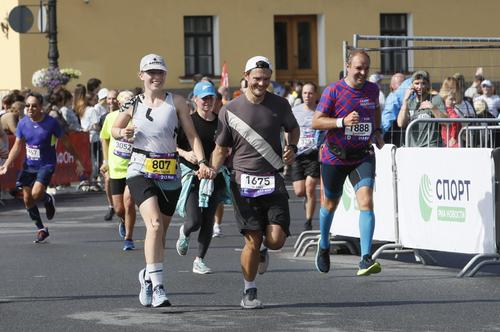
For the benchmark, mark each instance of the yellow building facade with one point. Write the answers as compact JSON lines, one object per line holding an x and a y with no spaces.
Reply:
{"x":304,"y":39}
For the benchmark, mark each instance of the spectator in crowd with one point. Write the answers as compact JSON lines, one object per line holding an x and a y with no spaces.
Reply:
{"x":419,"y":103}
{"x":7,"y":102}
{"x":93,"y":85}
{"x":101,"y":106}
{"x":492,"y":100}
{"x":89,"y":120}
{"x":377,"y":78}
{"x":390,"y":111}
{"x":475,"y":89}
{"x":10,"y":119}
{"x":463,"y":105}
{"x":450,"y":93}
{"x":67,"y":111}
{"x":56,"y":101}
{"x":224,"y":92}
{"x":243,"y":87}
{"x":4,"y":146}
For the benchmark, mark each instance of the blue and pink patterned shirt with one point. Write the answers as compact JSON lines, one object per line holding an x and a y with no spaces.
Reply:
{"x":337,"y":101}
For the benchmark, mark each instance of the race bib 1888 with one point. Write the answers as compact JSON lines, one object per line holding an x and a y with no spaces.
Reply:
{"x":360,"y":129}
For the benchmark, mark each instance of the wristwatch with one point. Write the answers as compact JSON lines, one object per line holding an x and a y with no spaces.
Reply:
{"x":203,"y":161}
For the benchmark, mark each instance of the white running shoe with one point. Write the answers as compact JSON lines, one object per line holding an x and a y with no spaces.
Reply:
{"x":217,"y":231}
{"x":250,"y":301}
{"x":160,"y":298}
{"x":200,"y":267}
{"x":182,"y":244}
{"x":146,"y":294}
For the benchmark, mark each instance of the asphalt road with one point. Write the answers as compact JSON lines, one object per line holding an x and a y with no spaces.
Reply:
{"x":81,"y":280}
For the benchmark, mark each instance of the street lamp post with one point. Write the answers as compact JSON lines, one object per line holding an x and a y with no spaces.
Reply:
{"x":52,"y":20}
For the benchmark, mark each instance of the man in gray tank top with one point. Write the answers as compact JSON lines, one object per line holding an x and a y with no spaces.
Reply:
{"x":250,"y":125}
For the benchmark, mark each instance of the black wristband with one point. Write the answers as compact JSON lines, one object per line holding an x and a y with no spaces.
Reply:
{"x":293,"y":147}
{"x":203,"y":161}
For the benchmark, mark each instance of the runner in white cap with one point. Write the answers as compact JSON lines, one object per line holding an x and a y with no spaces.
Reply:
{"x":153,"y":175}
{"x":251,"y":125}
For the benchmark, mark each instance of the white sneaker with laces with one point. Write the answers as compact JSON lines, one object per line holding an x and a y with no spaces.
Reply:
{"x":182,"y":244}
{"x":146,"y":294}
{"x":160,"y":298}
{"x":200,"y":267}
{"x":217,"y":231}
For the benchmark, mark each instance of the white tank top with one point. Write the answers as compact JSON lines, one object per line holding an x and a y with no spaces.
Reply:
{"x":156,"y":128}
{"x":155,"y":131}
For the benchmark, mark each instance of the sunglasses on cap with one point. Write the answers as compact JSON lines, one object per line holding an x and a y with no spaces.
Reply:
{"x":261,"y":64}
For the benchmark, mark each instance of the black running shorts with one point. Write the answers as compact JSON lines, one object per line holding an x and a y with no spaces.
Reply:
{"x":142,"y":188}
{"x":255,"y":213}
{"x":306,"y":165}
{"x":117,"y":186}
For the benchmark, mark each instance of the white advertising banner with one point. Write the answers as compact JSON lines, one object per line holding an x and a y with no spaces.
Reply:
{"x":446,"y":199}
{"x":346,"y":218}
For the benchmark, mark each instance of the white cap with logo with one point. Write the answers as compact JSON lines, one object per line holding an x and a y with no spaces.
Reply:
{"x":152,"y":62}
{"x":258,"y":62}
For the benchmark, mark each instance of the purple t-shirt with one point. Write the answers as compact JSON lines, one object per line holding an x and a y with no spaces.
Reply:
{"x":40,"y":138}
{"x":337,"y":101}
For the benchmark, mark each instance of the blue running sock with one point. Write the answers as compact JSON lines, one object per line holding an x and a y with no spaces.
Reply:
{"x":35,"y":216}
{"x":366,"y":228}
{"x":325,"y":222}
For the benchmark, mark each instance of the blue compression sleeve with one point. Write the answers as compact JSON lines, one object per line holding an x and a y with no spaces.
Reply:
{"x":325,"y":222}
{"x":366,"y":228}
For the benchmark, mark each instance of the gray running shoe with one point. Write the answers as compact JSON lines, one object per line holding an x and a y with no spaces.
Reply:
{"x":250,"y":301}
{"x":146,"y":294}
{"x":182,"y":245}
{"x":264,"y":261}
{"x":160,"y":298}
{"x":200,"y":267}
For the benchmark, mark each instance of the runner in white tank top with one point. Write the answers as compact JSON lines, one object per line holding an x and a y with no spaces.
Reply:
{"x":153,"y":176}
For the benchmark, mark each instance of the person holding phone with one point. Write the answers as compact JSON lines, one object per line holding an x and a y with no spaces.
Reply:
{"x":419,"y":103}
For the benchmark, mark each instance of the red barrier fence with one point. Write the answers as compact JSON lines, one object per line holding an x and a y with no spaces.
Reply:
{"x":66,"y":168}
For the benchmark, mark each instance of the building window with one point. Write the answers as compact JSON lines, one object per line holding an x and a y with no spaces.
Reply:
{"x":198,"y":45}
{"x":394,"y":25}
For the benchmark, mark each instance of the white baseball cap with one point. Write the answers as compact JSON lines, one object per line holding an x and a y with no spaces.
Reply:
{"x":152,"y":62}
{"x":258,"y":62}
{"x":102,"y":94}
{"x":486,"y":83}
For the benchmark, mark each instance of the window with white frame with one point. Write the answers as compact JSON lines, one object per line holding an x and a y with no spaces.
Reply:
{"x":198,"y":45}
{"x":395,"y":60}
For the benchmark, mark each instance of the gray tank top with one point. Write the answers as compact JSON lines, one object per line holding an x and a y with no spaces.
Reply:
{"x":155,"y":131}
